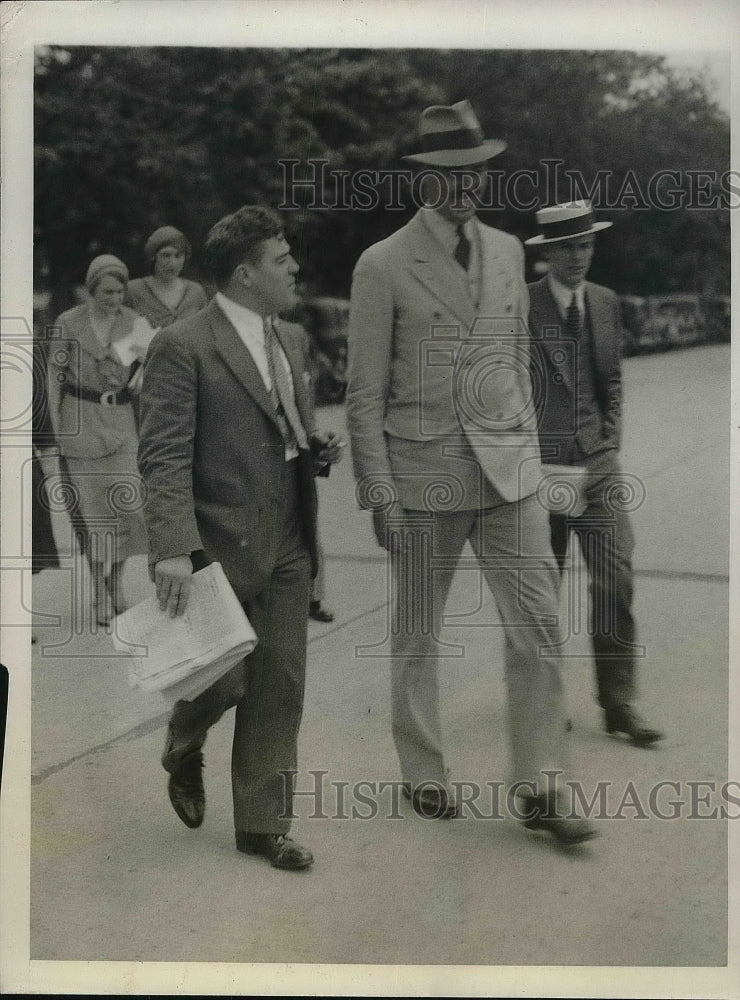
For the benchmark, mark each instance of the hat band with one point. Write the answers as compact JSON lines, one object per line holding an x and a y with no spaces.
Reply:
{"x":459,"y":138}
{"x":568,"y":227}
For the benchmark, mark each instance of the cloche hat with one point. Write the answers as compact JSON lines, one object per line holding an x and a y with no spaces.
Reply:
{"x":166,"y":236}
{"x":106,"y":263}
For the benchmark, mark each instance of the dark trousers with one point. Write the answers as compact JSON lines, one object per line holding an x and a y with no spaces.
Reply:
{"x":266,"y":688}
{"x":607,"y":541}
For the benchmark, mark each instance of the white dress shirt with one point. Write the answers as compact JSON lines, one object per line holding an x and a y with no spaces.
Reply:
{"x":564,"y":296}
{"x":250,"y":327}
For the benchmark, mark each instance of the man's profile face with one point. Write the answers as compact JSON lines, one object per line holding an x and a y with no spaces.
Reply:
{"x":273,"y":279}
{"x":570,"y":259}
{"x":455,"y":191}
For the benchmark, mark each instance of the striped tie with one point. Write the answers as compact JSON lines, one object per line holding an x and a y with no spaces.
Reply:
{"x":283,"y":399}
{"x":573,"y":319}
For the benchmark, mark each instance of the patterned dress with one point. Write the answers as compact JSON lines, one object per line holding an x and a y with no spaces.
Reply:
{"x":98,"y":441}
{"x":142,"y":297}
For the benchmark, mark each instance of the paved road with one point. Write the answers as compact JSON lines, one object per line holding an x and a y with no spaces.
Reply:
{"x":116,"y":877}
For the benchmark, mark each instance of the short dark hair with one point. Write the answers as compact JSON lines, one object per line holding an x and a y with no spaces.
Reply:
{"x":238,"y":237}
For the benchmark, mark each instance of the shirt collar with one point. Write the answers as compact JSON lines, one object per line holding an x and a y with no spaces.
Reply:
{"x":444,"y":230}
{"x":241,"y":317}
{"x":564,"y":295}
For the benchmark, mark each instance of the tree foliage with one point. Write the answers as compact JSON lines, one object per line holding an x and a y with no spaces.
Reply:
{"x":131,"y":138}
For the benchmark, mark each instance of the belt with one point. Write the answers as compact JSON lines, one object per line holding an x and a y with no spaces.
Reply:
{"x":108,"y":398}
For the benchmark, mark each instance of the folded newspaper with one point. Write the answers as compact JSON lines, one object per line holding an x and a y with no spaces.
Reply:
{"x":181,"y":657}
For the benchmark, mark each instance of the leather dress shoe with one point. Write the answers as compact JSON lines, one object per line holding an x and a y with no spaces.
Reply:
{"x":567,"y":830}
{"x":186,"y":790}
{"x":280,"y":851}
{"x":431,"y":802}
{"x":319,"y":613}
{"x":185,"y":785}
{"x":623,"y":719}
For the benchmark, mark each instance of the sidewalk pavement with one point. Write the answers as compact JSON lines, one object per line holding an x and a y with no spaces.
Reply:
{"x":116,"y":877}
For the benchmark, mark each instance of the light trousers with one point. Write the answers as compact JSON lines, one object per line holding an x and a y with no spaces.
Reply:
{"x":512,"y":546}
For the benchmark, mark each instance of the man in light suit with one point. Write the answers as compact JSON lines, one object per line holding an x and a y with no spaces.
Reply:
{"x":227,"y":455}
{"x":576,"y":367}
{"x":444,"y":442}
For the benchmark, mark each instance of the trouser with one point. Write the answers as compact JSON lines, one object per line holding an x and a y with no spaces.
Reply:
{"x":606,"y":539}
{"x":318,"y":586}
{"x":512,"y":546}
{"x":266,"y":688}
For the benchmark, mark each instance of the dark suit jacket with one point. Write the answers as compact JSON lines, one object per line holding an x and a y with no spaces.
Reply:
{"x":211,"y":454}
{"x":552,"y":370}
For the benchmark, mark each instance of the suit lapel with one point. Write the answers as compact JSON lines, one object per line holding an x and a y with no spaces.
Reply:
{"x":438,"y":272}
{"x":294,"y":355}
{"x":495,"y":272}
{"x":602,"y":333}
{"x":239,"y":359}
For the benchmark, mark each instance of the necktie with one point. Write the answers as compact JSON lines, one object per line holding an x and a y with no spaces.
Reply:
{"x":282,"y":397}
{"x":573,"y":319}
{"x":462,"y":250}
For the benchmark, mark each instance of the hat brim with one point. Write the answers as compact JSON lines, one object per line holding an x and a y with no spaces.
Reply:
{"x":539,"y":240}
{"x":458,"y":157}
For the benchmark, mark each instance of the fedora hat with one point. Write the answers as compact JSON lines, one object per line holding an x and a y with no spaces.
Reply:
{"x":452,"y":137}
{"x":563,"y":222}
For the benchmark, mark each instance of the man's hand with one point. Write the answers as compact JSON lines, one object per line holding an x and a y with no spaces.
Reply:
{"x":387,"y":522}
{"x":326,"y":447}
{"x":172,"y":579}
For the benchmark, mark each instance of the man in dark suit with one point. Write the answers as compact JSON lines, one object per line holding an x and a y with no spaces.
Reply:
{"x":576,"y":371}
{"x":227,"y":455}
{"x":444,"y":443}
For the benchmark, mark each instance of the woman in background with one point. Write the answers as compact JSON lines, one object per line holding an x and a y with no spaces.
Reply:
{"x":164,"y":296}
{"x":94,"y":376}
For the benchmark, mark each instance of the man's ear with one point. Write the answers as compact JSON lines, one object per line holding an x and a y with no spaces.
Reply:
{"x":244,"y":274}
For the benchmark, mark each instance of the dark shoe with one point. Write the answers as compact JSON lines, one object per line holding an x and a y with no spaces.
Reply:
{"x":186,"y":790}
{"x":185,"y":787}
{"x":567,"y":830}
{"x":318,"y":613}
{"x":280,"y":851}
{"x":623,"y":719}
{"x":431,"y":802}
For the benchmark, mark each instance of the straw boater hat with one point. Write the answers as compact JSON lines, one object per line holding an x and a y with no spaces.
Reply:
{"x":452,"y":137}
{"x":563,"y":222}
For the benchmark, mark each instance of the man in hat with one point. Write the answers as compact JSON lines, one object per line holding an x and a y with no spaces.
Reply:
{"x":445,"y":451}
{"x":576,"y":372}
